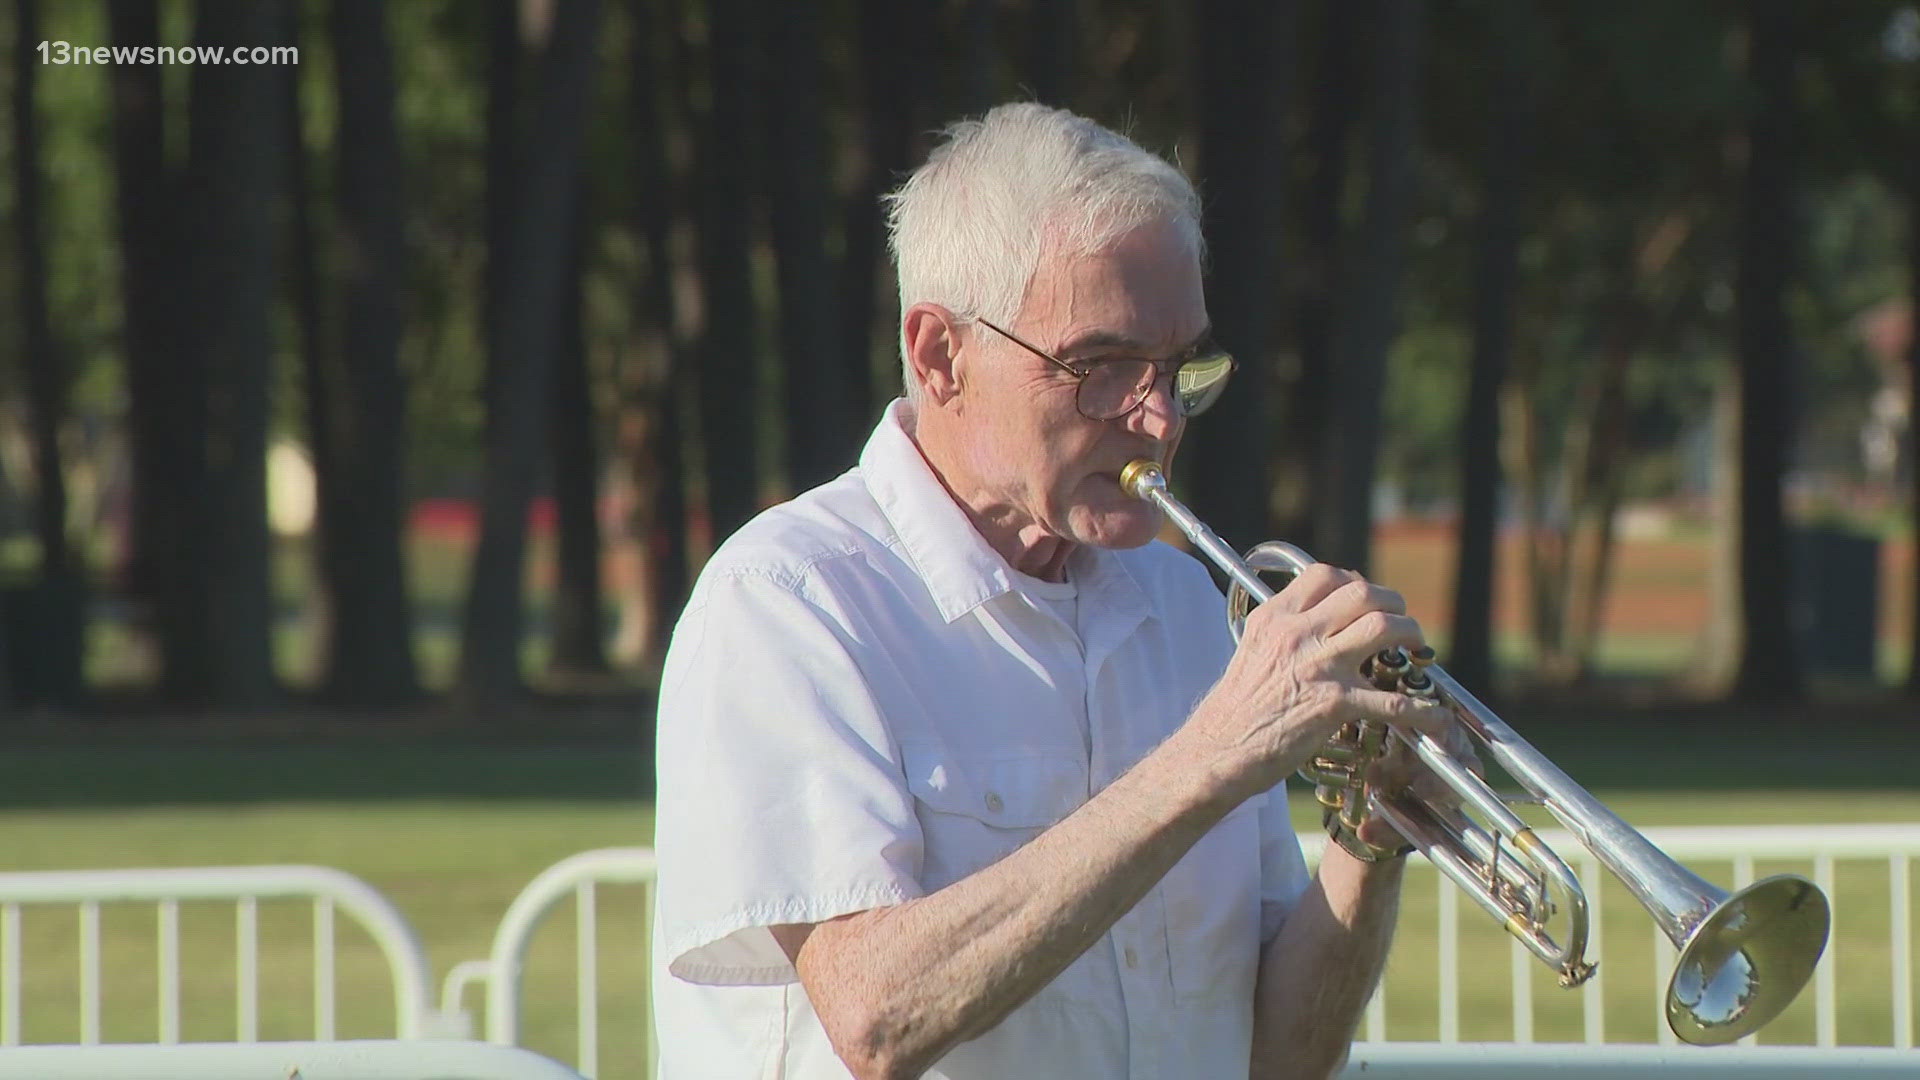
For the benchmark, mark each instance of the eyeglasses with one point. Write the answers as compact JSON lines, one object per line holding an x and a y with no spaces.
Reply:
{"x":1113,"y":387}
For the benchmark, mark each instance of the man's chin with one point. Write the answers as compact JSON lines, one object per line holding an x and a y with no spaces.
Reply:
{"x":1129,"y":528}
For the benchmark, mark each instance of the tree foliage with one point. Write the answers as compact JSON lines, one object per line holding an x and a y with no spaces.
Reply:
{"x":682,"y":221}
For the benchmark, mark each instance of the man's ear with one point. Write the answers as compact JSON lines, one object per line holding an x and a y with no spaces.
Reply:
{"x":932,"y":338}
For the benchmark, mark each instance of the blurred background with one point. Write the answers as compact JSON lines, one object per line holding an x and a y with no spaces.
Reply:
{"x":364,"y":419}
{"x":418,"y":376}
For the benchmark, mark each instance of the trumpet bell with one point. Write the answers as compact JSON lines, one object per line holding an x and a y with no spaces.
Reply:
{"x":1747,"y":960}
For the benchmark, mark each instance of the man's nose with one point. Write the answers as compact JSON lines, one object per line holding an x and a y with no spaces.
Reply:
{"x":1157,"y":417}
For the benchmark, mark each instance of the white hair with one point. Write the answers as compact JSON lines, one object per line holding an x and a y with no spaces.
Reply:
{"x":967,"y":229}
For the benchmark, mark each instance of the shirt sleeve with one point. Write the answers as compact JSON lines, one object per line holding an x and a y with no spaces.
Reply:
{"x":1283,"y":868}
{"x":781,"y":797}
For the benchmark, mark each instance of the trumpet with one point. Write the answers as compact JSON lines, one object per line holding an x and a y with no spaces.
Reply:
{"x":1743,"y":956}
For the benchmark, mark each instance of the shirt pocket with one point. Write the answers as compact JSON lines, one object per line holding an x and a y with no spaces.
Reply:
{"x":976,"y":809}
{"x":1213,"y":910}
{"x":1003,"y":790}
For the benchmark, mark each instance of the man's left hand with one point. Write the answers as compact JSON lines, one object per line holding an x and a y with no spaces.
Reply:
{"x":1400,"y":771}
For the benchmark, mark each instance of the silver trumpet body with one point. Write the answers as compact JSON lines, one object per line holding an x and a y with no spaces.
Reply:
{"x":1743,"y":956}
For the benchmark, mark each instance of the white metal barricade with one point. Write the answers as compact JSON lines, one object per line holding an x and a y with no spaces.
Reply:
{"x":391,"y":1059}
{"x":329,"y":889}
{"x":1511,"y":1061}
{"x":573,"y":876}
{"x":1742,"y":846}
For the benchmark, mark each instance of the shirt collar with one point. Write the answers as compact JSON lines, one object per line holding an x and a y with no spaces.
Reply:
{"x":961,"y":570}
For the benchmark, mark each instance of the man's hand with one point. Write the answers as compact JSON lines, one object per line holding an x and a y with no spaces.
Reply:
{"x":1400,"y":770}
{"x":1296,"y":676}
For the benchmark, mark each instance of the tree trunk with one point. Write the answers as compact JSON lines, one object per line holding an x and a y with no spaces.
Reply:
{"x":653,"y":535}
{"x":1496,"y":280}
{"x":504,"y":136}
{"x":1588,"y":606}
{"x":58,"y":603}
{"x":359,"y":416}
{"x":892,"y":38}
{"x":311,"y":335}
{"x":824,"y":429}
{"x":1720,"y":660}
{"x":1769,"y":665}
{"x":1913,"y":421}
{"x":1567,"y":536}
{"x":1369,"y":320}
{"x":45,"y":370}
{"x":1306,"y":402}
{"x":579,"y":646}
{"x":237,"y":160}
{"x":671,"y":564}
{"x":536,"y":245}
{"x":1544,"y":537}
{"x":165,"y":383}
{"x":730,"y":400}
{"x":1595,"y":500}
{"x":1241,"y":162}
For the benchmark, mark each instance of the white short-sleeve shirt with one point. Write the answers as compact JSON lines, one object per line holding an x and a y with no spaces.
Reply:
{"x":861,"y":705}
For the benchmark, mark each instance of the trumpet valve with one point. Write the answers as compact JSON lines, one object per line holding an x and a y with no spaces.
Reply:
{"x":1331,"y":780}
{"x":1371,"y":740}
{"x":1353,"y":814}
{"x":1386,"y":668}
{"x":1339,"y":752}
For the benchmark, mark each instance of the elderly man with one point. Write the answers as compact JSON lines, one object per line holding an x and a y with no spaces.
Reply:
{"x":960,"y":774}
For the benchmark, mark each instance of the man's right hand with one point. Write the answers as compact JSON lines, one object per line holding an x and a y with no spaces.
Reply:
{"x":1296,"y":677}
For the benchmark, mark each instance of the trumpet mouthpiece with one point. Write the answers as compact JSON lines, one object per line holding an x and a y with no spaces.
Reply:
{"x":1142,"y":476}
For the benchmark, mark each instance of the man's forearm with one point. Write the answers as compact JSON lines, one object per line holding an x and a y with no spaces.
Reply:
{"x":1319,"y":971}
{"x":898,"y":987}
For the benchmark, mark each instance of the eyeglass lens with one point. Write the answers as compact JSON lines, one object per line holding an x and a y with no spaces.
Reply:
{"x":1115,"y":387}
{"x":1200,"y":382}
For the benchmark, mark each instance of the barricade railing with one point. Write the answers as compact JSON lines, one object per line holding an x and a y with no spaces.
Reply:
{"x":384,"y":1059}
{"x":329,"y":890}
{"x":575,"y":876}
{"x":1731,"y":854}
{"x":1515,"y":1061}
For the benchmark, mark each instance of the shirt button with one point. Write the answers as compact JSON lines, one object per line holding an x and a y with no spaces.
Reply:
{"x":1133,"y":960}
{"x":993,"y":802}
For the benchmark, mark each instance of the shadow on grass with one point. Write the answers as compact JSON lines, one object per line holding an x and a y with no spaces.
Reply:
{"x":1676,"y":749}
{"x":1725,"y":747}
{"x":48,"y":777}
{"x":597,"y":746}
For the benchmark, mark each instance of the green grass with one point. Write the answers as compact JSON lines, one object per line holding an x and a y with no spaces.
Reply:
{"x":451,"y":835}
